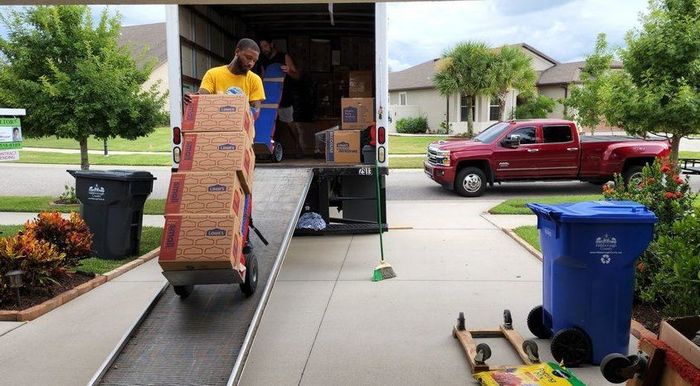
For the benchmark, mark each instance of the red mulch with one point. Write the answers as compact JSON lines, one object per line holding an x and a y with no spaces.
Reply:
{"x":30,"y":299}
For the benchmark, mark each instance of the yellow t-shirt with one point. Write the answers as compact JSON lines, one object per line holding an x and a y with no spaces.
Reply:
{"x":219,"y":80}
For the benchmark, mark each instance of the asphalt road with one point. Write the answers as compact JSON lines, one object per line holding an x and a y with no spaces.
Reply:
{"x":49,"y":180}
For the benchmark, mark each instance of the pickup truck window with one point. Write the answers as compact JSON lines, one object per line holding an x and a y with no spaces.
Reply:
{"x":556,"y":134}
{"x":492,"y":132}
{"x":527,"y":135}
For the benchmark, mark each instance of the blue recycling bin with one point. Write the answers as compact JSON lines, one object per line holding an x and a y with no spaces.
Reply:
{"x":589,"y":251}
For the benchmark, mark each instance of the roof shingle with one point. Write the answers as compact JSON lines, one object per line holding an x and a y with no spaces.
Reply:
{"x":150,"y":36}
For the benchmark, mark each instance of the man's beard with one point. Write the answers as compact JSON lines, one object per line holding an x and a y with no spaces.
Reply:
{"x":237,"y":68}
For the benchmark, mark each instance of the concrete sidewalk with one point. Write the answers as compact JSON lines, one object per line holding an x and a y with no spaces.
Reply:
{"x":15,"y":218}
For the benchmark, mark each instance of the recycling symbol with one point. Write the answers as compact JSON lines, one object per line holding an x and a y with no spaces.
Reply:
{"x":605,"y":259}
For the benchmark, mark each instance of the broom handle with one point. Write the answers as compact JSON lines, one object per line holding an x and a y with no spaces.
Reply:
{"x":379,"y":205}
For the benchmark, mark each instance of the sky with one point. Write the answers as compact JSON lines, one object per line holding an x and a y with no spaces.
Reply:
{"x":565,"y":30}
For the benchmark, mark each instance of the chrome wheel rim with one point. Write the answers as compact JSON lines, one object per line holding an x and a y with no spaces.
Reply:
{"x":471,"y":183}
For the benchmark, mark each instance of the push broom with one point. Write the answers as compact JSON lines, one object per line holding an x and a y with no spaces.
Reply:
{"x":384,"y":269}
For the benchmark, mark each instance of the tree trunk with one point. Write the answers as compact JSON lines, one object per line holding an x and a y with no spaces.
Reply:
{"x":470,"y":118}
{"x":84,"y":164}
{"x":502,"y":106}
{"x":675,"y":146}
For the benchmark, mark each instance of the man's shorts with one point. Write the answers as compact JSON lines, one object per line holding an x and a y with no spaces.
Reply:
{"x":286,"y":114}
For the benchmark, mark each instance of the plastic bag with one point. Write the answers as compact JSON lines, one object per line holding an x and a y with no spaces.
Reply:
{"x":532,"y":375}
{"x":311,"y":220}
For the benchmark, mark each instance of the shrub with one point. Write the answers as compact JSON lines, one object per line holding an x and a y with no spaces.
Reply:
{"x":538,"y":107}
{"x":71,"y":236}
{"x":675,"y":285}
{"x":412,"y":125}
{"x":665,"y":193}
{"x":68,"y":196}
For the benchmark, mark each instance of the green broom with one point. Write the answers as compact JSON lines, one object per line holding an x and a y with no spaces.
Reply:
{"x":384,"y":269}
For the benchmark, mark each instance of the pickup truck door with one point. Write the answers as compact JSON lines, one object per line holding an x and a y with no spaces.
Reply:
{"x":559,"y":152}
{"x":519,"y":162}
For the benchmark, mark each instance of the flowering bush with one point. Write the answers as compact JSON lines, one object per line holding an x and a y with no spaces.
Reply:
{"x":663,"y":270}
{"x":47,"y":248}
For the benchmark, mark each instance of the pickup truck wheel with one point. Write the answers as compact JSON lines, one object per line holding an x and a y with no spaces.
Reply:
{"x":633,"y":175}
{"x":470,"y":182}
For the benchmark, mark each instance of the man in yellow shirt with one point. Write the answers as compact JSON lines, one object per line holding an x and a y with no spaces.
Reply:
{"x":236,"y":77}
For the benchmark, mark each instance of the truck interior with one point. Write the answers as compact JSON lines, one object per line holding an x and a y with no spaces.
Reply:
{"x":326,"y":42}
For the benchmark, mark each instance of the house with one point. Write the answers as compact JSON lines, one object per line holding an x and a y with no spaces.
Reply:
{"x":412,"y":93}
{"x":146,"y":42}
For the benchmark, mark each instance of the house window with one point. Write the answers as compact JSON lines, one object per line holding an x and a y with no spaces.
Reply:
{"x":556,"y":134}
{"x":493,"y":109}
{"x":402,"y":99}
{"x":463,"y":108}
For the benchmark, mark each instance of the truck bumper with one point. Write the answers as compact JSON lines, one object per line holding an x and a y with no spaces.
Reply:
{"x":443,"y":175}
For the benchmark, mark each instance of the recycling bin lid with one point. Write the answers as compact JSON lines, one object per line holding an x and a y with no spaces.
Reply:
{"x":119,"y":175}
{"x":596,"y":212}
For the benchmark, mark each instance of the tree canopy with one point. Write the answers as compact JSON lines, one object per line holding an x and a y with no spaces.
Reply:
{"x":73,"y":77}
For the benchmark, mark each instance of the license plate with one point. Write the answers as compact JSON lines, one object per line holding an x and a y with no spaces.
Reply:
{"x":428,"y":170}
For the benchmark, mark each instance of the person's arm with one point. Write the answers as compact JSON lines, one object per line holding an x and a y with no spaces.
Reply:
{"x":256,"y":95}
{"x":289,"y":67}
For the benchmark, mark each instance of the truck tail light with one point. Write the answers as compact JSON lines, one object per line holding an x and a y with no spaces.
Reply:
{"x":176,"y":154}
{"x":381,"y":135}
{"x":177,"y":137}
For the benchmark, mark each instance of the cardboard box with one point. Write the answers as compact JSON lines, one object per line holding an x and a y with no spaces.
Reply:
{"x":219,"y":151}
{"x":205,"y":192}
{"x":343,"y":146}
{"x":678,"y":333}
{"x":357,"y":113}
{"x":361,"y":84}
{"x":209,"y":113}
{"x":201,"y":242}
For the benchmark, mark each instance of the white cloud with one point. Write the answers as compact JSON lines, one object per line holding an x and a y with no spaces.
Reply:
{"x":133,"y":14}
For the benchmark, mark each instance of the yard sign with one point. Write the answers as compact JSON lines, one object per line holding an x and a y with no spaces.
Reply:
{"x":10,"y":139}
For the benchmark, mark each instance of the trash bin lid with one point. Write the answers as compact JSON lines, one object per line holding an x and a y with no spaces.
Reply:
{"x":119,"y":175}
{"x":597,"y":212}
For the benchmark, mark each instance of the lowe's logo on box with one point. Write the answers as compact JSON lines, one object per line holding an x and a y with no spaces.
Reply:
{"x":227,"y":146}
{"x":350,"y":114}
{"x":216,"y":232}
{"x":217,"y":188}
{"x":96,"y":193}
{"x":344,"y":147}
{"x":227,"y":109}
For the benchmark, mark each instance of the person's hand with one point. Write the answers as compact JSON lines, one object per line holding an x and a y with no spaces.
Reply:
{"x":284,"y":69}
{"x":187,"y":98}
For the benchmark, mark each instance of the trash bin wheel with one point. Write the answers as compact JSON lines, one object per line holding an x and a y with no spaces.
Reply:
{"x":507,"y":319}
{"x":251,"y":275}
{"x":277,"y":152}
{"x":612,"y":367}
{"x":484,"y":350}
{"x":535,"y":322}
{"x":572,"y":346}
{"x":183,"y":291}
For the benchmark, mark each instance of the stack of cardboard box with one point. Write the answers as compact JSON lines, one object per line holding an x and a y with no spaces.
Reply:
{"x":209,"y":195}
{"x":357,"y":113}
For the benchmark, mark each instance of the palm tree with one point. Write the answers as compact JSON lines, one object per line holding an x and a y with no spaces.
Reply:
{"x":466,"y":69}
{"x":513,"y":70}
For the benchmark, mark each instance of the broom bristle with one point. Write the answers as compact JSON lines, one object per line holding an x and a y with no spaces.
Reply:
{"x":383,"y":271}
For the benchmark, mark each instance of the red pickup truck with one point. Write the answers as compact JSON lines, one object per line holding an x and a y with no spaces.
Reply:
{"x":536,"y":150}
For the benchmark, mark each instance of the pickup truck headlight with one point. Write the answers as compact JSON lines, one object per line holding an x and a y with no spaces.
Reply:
{"x":439,"y":157}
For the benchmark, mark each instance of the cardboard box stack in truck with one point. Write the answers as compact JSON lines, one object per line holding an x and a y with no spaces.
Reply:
{"x":206,"y":203}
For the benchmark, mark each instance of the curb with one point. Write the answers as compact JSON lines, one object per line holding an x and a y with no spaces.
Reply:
{"x":63,"y":298}
{"x":636,"y":329}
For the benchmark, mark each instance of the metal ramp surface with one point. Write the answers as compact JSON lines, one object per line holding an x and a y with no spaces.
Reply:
{"x":204,"y":339}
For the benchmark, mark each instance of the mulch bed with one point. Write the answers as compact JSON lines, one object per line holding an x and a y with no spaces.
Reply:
{"x":648,"y":316}
{"x":33,"y":298}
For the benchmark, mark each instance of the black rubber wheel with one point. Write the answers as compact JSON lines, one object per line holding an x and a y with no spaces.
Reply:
{"x":277,"y":152}
{"x":485,"y":349}
{"x":251,"y":275}
{"x":532,"y":345}
{"x":183,"y":291}
{"x":470,"y":182}
{"x":535,"y":322}
{"x":633,"y":174}
{"x":572,"y":346}
{"x":507,"y":318}
{"x":611,"y":366}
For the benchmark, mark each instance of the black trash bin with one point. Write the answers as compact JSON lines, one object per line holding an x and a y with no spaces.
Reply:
{"x":112,"y":206}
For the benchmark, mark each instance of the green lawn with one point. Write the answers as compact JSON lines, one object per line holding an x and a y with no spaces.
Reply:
{"x":399,"y":144}
{"x":159,"y":140}
{"x":43,"y":203}
{"x":406,"y":162}
{"x":689,"y":154}
{"x":37,"y":157}
{"x":530,"y":234}
{"x":517,"y":205}
{"x":150,"y":240}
